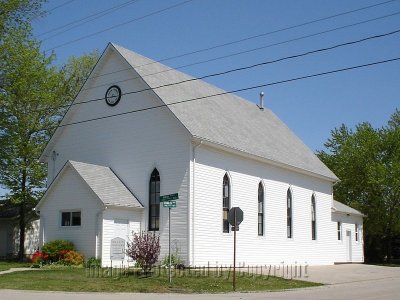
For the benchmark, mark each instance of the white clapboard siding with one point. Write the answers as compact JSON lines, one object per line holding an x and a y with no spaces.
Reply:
{"x":71,"y":193}
{"x":212,"y":245}
{"x":348,"y":224}
{"x":132,"y":145}
{"x":110,"y":216}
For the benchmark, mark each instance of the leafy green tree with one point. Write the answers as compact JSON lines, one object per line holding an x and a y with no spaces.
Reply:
{"x":75,"y":72}
{"x":16,"y":13}
{"x":29,"y":102}
{"x":33,"y":97}
{"x":367,"y":161}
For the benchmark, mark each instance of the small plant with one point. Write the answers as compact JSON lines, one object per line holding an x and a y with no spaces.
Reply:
{"x":176,"y":261}
{"x":73,"y":258}
{"x":144,"y":249}
{"x":57,"y":249}
{"x":93,"y":262}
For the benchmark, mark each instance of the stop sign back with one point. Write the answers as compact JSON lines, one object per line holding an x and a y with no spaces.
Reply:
{"x":239,"y":216}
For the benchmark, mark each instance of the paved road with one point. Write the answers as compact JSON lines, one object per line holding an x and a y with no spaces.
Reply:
{"x":356,"y":282}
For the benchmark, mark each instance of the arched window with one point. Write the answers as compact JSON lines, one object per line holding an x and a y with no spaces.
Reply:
{"x":226,"y":202}
{"x":154,"y":201}
{"x":260,"y":209}
{"x":289,"y":214}
{"x":313,"y":219}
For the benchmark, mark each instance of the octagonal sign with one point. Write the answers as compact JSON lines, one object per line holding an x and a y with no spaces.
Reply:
{"x":239,"y":216}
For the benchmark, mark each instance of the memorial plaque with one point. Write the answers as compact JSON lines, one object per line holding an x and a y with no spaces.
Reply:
{"x":117,"y":249}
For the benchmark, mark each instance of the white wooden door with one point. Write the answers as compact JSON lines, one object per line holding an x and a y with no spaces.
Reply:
{"x":348,"y":245}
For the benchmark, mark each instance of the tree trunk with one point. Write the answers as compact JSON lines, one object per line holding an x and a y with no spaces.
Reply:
{"x":21,"y":232}
{"x":22,"y":224}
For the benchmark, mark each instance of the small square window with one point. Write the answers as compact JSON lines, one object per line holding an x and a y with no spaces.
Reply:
{"x":70,"y":218}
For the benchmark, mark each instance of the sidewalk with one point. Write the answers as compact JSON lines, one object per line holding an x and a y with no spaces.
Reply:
{"x":12,"y":270}
{"x":338,"y":274}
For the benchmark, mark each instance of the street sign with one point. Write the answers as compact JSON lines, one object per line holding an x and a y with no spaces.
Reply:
{"x":169,"y":197}
{"x":239,"y":216}
{"x":169,"y":204}
{"x":235,"y":217}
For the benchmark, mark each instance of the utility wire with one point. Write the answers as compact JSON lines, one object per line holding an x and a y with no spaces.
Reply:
{"x":119,"y":25}
{"x":242,"y":68}
{"x":52,"y":9}
{"x":85,"y":20}
{"x":61,"y":5}
{"x":269,"y":33}
{"x":259,"y":64}
{"x":234,"y":91}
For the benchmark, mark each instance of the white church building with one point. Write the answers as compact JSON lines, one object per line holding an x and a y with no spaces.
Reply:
{"x":139,"y":129}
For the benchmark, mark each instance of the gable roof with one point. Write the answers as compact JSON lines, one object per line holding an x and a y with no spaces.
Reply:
{"x":342,"y":208}
{"x":226,"y":120}
{"x":103,"y":182}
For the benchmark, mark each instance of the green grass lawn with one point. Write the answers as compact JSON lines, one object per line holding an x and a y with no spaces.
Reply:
{"x":76,"y":280}
{"x":6,"y":265}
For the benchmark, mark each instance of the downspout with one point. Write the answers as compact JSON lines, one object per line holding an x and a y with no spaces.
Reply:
{"x":98,"y":233}
{"x":41,"y":228}
{"x":193,"y":194}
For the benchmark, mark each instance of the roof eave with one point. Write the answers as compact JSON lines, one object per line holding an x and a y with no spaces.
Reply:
{"x":262,"y":159}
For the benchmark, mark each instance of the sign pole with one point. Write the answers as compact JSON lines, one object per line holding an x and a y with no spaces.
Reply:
{"x":234,"y":252}
{"x":169,"y":244}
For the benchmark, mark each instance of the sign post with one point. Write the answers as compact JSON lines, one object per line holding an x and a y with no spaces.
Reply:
{"x":169,"y":202}
{"x":235,"y":217}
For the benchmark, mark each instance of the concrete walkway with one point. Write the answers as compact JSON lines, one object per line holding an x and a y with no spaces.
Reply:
{"x":12,"y":270}
{"x":348,"y":273}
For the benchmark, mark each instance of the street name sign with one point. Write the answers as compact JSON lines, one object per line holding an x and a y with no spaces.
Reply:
{"x":169,"y":197}
{"x":169,"y":204}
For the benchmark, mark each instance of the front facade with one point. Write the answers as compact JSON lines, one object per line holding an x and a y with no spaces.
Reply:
{"x":109,"y":162}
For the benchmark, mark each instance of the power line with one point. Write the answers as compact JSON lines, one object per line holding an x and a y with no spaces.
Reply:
{"x":245,"y":67}
{"x":119,"y":25}
{"x":85,"y":20}
{"x":237,"y":53}
{"x":272,"y":32}
{"x":234,"y":91}
{"x":61,"y":5}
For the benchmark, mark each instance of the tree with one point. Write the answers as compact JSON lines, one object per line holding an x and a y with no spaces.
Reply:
{"x":29,"y":110}
{"x":367,"y":161}
{"x":74,"y":74}
{"x":16,"y":13}
{"x":33,"y":98}
{"x":144,"y":249}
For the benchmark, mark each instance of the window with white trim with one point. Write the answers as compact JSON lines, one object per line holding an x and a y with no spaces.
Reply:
{"x":357,"y":233}
{"x":313,"y":219}
{"x":154,"y":201}
{"x":226,"y":202}
{"x":260,"y":209}
{"x":70,"y":218}
{"x":289,"y":221}
{"x":339,"y":231}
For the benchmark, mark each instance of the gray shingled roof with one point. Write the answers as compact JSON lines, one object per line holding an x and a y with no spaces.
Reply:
{"x":106,"y":185}
{"x":227,"y":120}
{"x":340,"y":207}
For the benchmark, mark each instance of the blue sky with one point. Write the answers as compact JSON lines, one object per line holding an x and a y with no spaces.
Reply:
{"x":311,"y":108}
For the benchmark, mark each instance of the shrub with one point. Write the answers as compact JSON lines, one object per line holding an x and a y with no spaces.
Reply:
{"x":93,"y":262}
{"x":144,"y":249}
{"x":176,"y":261}
{"x":73,"y":258}
{"x":39,"y":257}
{"x":57,"y":249}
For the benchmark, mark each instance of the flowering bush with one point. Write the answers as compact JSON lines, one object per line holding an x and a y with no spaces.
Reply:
{"x":145,"y":249}
{"x":73,"y":258}
{"x":57,"y":249}
{"x":39,"y":257}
